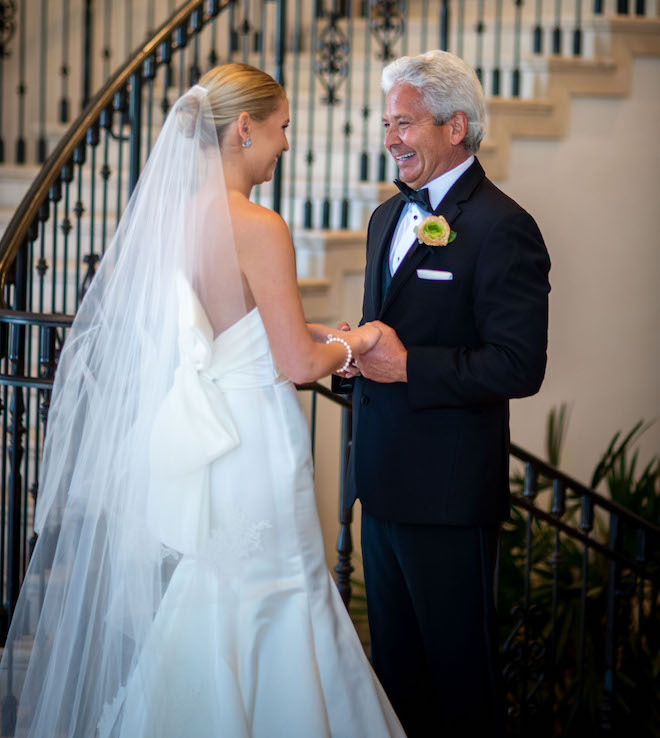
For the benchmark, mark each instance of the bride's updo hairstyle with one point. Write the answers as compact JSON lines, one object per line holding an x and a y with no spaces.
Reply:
{"x":236,"y":88}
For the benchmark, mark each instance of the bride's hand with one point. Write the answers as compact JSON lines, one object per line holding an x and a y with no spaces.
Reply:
{"x":362,"y":339}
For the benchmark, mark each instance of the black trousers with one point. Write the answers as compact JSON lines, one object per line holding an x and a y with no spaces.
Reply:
{"x":432,"y":624}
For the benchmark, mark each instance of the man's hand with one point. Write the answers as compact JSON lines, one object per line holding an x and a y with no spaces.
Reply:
{"x":352,"y":370}
{"x":386,"y":362}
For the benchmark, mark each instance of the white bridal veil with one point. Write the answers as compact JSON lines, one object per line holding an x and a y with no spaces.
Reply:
{"x":105,"y":552}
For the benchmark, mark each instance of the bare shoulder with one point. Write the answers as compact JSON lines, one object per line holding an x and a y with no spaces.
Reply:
{"x":253,"y":224}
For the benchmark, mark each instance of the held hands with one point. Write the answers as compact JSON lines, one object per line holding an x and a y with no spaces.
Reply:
{"x":381,"y":356}
{"x":361,"y":340}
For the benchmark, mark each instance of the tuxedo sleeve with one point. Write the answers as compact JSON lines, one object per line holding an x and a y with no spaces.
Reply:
{"x":342,"y":386}
{"x":510,"y":303}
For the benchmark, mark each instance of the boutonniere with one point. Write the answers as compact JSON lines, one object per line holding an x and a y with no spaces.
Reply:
{"x":434,"y":231}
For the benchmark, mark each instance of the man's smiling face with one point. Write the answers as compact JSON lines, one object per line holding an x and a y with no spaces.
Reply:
{"x":421,"y":149}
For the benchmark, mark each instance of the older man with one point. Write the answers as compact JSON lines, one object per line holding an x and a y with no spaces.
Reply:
{"x":464,"y":330}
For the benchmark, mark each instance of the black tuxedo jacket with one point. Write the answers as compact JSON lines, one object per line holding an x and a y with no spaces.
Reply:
{"x":436,"y":449}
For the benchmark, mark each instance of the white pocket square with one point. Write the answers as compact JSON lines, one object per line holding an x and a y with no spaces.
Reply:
{"x":434,"y":274}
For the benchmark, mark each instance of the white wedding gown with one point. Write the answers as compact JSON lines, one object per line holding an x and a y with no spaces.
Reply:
{"x":251,"y":638}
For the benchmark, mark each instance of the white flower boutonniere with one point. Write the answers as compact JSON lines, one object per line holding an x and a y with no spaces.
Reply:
{"x":434,"y":231}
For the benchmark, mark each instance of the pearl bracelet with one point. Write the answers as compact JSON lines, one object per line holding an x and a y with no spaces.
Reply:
{"x":349,"y":353}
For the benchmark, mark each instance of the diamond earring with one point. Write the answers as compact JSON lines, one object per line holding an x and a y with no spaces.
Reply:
{"x":247,"y":143}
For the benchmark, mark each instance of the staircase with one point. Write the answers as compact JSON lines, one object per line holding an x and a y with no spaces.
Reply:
{"x":323,"y":171}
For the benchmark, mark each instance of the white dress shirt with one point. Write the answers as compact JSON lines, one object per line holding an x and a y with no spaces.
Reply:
{"x":412,"y":213}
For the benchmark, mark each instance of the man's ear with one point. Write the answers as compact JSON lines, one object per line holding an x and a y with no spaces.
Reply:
{"x":458,"y":127}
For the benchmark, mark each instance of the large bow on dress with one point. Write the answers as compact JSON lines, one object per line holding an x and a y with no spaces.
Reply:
{"x":192,"y":428}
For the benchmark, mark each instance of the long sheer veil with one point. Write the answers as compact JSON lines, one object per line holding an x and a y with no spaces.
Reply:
{"x":102,"y":562}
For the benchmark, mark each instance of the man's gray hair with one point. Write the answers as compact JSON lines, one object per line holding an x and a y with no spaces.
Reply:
{"x":447,"y":85}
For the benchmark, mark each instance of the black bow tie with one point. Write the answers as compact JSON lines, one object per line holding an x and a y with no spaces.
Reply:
{"x":420,"y":197}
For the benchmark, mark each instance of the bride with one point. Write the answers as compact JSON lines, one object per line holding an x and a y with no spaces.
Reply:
{"x":178,"y":586}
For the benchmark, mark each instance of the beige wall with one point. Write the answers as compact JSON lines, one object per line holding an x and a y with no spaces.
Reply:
{"x":596,"y":197}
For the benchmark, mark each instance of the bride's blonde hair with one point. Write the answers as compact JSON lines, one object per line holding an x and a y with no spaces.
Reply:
{"x":236,"y":88}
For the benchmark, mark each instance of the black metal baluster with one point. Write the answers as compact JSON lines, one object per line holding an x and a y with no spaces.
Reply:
{"x":537,"y":37}
{"x":66,"y":177}
{"x":480,"y":30}
{"x":332,"y":69}
{"x":586,"y":525}
{"x":348,"y":129}
{"x":54,"y":195}
{"x":556,"y":31}
{"x":195,"y":72}
{"x":260,"y":33}
{"x":22,"y":87}
{"x":91,"y":258}
{"x":312,"y":421}
{"x":259,"y":46}
{"x":244,"y":31}
{"x":558,"y":509}
{"x":212,"y":58}
{"x":105,"y":121}
{"x":43,"y":83}
{"x":106,"y":51}
{"x":444,"y":26}
{"x":344,"y":567}
{"x":64,"y":107}
{"x":382,"y":156}
{"x":517,"y":34}
{"x":149,"y":75}
{"x":29,"y":480}
{"x":79,"y":156}
{"x":297,"y":36}
{"x":609,"y":657}
{"x":165,"y":59}
{"x":496,"y":74}
{"x":577,"y":31}
{"x":47,"y":365}
{"x":88,"y":22}
{"x":42,"y":264}
{"x":308,"y":214}
{"x":180,"y":42}
{"x":280,"y":56}
{"x":641,"y":560}
{"x":387,"y":24}
{"x":366,"y":110}
{"x":135,"y":119}
{"x":232,"y":40}
{"x":16,"y":434}
{"x":530,"y":492}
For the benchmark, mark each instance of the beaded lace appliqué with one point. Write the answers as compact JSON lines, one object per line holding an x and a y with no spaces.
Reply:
{"x":233,"y":542}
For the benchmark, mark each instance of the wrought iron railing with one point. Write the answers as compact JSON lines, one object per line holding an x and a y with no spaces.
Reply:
{"x":79,"y":44}
{"x":577,"y":582}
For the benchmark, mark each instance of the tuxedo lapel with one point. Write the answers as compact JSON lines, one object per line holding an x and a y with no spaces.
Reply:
{"x":460,"y":192}
{"x":382,"y":251}
{"x":408,"y":265}
{"x":450,"y":207}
